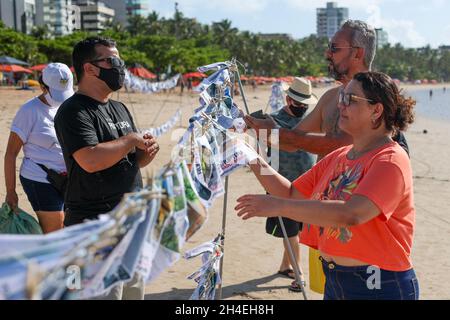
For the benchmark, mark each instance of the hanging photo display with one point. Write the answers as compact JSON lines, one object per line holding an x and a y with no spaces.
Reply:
{"x":147,"y":231}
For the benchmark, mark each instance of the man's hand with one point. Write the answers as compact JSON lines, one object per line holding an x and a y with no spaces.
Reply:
{"x":258,"y":124}
{"x":152,"y":146}
{"x":148,"y":148}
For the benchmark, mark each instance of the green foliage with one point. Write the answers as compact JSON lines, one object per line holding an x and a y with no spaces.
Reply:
{"x":184,"y":43}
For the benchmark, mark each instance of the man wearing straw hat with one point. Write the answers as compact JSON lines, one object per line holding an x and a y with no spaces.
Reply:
{"x":291,"y":165}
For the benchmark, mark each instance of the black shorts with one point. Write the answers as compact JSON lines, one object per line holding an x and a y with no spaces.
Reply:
{"x":292,"y":227}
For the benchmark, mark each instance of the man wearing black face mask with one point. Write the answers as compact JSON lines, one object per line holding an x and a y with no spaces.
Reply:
{"x":291,"y":165}
{"x":102,"y":148}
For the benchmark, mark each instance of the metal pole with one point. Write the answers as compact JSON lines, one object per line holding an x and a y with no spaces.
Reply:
{"x":224,"y":221}
{"x":241,"y":89}
{"x":297,"y":270}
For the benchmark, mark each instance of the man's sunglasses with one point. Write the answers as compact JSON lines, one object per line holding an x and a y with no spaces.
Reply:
{"x":333,"y":48}
{"x":347,"y":98}
{"x":114,"y":62}
{"x":299,"y":104}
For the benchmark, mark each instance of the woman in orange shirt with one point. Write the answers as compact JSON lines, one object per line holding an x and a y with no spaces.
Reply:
{"x":357,"y":202}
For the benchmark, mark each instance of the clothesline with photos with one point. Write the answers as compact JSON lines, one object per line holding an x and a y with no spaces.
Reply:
{"x":146,"y":232}
{"x":276,"y":100}
{"x":165,"y":127}
{"x":135,"y":84}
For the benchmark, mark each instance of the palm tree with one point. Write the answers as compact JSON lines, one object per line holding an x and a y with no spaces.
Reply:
{"x":136,"y":25}
{"x":223,"y":33}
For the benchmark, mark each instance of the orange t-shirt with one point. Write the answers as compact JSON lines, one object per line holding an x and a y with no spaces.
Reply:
{"x":384,"y":176}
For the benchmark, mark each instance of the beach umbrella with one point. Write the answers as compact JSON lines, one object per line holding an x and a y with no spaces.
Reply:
{"x":194,"y":75}
{"x":14,"y":68}
{"x":140,"y":71}
{"x":11,"y":60}
{"x":38,"y":67}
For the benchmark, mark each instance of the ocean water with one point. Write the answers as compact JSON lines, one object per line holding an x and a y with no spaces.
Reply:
{"x":436,"y":107}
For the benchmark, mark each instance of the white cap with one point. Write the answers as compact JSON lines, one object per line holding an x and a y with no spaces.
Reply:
{"x":59,"y":79}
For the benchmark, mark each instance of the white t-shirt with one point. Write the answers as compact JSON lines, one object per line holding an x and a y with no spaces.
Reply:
{"x":34,"y":124}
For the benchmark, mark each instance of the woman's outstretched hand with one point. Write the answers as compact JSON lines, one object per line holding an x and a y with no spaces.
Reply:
{"x":256,"y":205}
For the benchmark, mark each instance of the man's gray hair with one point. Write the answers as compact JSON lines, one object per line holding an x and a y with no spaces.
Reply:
{"x":363,"y":36}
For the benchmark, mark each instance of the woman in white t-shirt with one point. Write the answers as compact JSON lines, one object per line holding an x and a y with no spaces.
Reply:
{"x":33,"y":129}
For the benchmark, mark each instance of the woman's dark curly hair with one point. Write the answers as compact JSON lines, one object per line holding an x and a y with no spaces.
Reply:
{"x":380,"y":88}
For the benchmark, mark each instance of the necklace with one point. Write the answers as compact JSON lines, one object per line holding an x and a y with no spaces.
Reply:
{"x":352,"y":154}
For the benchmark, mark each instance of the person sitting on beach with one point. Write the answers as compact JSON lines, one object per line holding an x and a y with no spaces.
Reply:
{"x":358,"y":200}
{"x":33,"y":129}
{"x":291,"y":165}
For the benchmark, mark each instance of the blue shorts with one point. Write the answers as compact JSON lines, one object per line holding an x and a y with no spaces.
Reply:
{"x":42,"y":196}
{"x":368,"y":283}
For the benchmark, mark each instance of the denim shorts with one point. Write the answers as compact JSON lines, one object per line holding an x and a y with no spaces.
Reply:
{"x":42,"y":196}
{"x":368,"y":283}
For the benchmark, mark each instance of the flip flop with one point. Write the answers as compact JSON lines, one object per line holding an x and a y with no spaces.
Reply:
{"x":287,"y":273}
{"x":296,"y":287}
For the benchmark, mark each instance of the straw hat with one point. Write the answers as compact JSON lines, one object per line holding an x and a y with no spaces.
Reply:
{"x":301,"y":91}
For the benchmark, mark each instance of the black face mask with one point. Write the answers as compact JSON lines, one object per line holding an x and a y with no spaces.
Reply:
{"x":114,"y":77}
{"x":298,"y":111}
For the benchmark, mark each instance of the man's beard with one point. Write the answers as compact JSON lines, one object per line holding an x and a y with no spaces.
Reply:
{"x":335,"y":73}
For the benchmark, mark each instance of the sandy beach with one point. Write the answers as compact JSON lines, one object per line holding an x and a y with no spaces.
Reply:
{"x":251,"y":256}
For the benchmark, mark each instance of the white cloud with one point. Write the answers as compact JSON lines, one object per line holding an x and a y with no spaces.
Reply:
{"x":399,"y":30}
{"x":229,"y":6}
{"x":306,"y":5}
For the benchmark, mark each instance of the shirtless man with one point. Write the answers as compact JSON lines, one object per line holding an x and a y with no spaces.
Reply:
{"x":350,"y":51}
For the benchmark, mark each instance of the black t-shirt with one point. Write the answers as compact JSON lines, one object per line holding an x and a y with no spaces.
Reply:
{"x":81,"y":122}
{"x":400,"y":138}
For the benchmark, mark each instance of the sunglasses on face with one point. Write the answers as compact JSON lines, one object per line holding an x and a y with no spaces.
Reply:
{"x":299,"y":104}
{"x":113,"y":61}
{"x":347,"y":98}
{"x":333,"y":48}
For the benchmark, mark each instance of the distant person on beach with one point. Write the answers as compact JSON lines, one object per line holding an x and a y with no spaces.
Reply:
{"x":351,"y":50}
{"x":291,"y":166}
{"x":431,"y":93}
{"x":33,"y":129}
{"x":445,"y":89}
{"x":189,"y":85}
{"x":182,"y":85}
{"x":101,"y":145}
{"x":357,"y":202}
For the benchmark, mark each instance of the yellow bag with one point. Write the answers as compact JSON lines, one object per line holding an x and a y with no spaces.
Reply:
{"x":316,"y":275}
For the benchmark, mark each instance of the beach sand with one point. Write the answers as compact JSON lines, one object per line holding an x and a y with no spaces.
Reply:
{"x":251,"y":256}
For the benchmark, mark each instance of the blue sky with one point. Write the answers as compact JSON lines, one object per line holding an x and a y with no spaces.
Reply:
{"x":413,"y":23}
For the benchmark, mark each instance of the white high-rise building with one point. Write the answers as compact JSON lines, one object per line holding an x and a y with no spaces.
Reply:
{"x":125,"y":9}
{"x":382,"y":38}
{"x":18,"y":14}
{"x":94,"y":15}
{"x":330,"y":19}
{"x":61,"y":16}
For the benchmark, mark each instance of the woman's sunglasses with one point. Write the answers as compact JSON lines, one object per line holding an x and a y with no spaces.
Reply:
{"x":347,"y":98}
